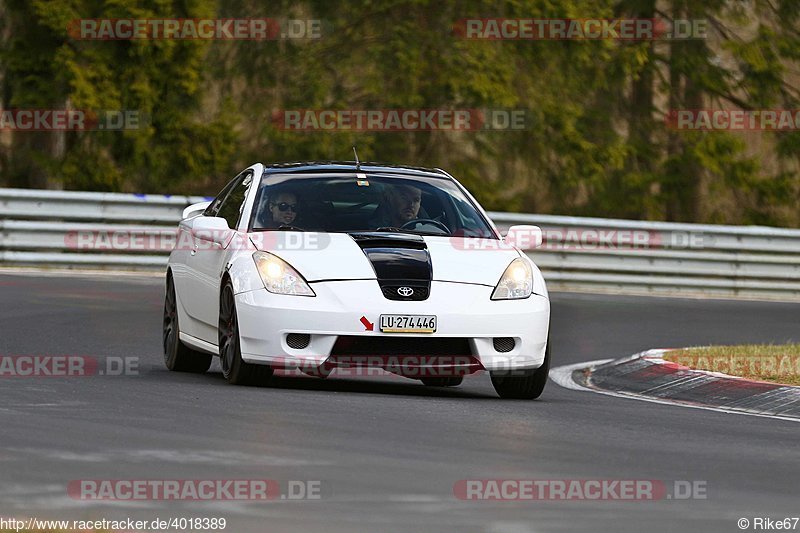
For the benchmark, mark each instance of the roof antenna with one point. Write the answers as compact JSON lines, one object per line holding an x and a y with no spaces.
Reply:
{"x":358,"y":163}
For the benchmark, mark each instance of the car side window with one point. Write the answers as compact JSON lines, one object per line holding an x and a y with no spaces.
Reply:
{"x":232,"y":205}
{"x":213,"y":208}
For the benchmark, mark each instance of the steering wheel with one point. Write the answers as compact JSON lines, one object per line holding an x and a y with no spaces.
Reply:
{"x":416,"y":221}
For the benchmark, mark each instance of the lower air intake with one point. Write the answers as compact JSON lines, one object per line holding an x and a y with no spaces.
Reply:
{"x":298,"y":341}
{"x":504,"y":344}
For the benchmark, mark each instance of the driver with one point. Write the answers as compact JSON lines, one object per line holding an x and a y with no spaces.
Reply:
{"x":402,"y":202}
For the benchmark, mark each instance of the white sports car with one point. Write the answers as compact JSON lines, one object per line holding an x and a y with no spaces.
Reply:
{"x":340,"y":265}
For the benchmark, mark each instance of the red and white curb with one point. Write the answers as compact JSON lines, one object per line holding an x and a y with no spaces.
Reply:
{"x":646,"y":376}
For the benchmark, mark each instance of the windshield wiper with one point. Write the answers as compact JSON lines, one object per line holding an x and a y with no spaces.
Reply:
{"x":429,"y":233}
{"x":412,"y":231}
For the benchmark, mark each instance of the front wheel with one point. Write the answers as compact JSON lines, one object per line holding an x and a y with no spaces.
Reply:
{"x":522,"y":384}
{"x":234,"y":369}
{"x":177,"y":356}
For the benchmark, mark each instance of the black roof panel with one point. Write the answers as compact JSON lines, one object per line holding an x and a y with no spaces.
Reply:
{"x":350,"y":166}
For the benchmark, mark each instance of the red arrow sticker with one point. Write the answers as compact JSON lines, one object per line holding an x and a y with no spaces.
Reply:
{"x":367,"y":324}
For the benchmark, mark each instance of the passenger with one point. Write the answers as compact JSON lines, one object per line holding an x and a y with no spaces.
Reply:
{"x":281,"y":209}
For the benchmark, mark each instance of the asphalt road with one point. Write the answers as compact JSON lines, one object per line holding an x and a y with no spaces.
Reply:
{"x":386,"y":451}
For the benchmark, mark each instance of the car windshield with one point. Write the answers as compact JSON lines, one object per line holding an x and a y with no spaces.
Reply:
{"x":366,"y":202}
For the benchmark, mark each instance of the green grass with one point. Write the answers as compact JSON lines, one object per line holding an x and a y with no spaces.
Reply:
{"x":778,"y":363}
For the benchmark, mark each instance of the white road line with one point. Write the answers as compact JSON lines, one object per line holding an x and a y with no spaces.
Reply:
{"x":562,"y":376}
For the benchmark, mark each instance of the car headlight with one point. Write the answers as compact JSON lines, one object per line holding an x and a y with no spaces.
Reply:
{"x":279,"y":277}
{"x":516,"y":282}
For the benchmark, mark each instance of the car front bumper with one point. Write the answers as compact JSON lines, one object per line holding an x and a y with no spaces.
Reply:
{"x":346,"y":308}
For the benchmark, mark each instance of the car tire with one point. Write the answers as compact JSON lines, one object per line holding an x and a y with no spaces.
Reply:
{"x":442,"y":382}
{"x":523,"y":384}
{"x":235,"y":370}
{"x":177,"y":356}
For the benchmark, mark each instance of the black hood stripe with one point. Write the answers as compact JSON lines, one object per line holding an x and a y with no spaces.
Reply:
{"x":399,"y":264}
{"x":399,"y":261}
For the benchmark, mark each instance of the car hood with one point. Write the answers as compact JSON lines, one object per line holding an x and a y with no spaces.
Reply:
{"x":337,"y":256}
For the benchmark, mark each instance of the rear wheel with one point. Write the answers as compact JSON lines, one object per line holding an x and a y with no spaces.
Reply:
{"x":235,"y":370}
{"x":177,"y":356}
{"x":443,"y":382}
{"x":523,"y":384}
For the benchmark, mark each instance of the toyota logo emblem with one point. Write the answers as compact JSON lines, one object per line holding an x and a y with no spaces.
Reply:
{"x":405,"y":291}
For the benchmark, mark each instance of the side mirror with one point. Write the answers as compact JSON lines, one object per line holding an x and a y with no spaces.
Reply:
{"x":194,"y":210}
{"x":214,"y":229}
{"x":524,"y":237}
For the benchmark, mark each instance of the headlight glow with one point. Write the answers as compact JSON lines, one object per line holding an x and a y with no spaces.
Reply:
{"x":516,"y":282}
{"x":279,"y":277}
{"x":519,"y":274}
{"x":274,"y":270}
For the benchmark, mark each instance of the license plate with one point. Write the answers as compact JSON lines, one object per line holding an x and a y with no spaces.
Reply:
{"x":408,"y":323}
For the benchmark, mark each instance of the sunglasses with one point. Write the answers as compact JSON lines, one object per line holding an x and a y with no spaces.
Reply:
{"x":283,"y":206}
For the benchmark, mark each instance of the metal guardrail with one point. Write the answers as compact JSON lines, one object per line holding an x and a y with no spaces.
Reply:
{"x":31,"y":204}
{"x":40,"y":228}
{"x":669,"y":258}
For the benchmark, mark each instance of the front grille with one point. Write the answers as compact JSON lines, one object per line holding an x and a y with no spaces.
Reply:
{"x":504,"y":344}
{"x":390,"y":291}
{"x":414,"y":357}
{"x":371,"y":345}
{"x":298,"y":341}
